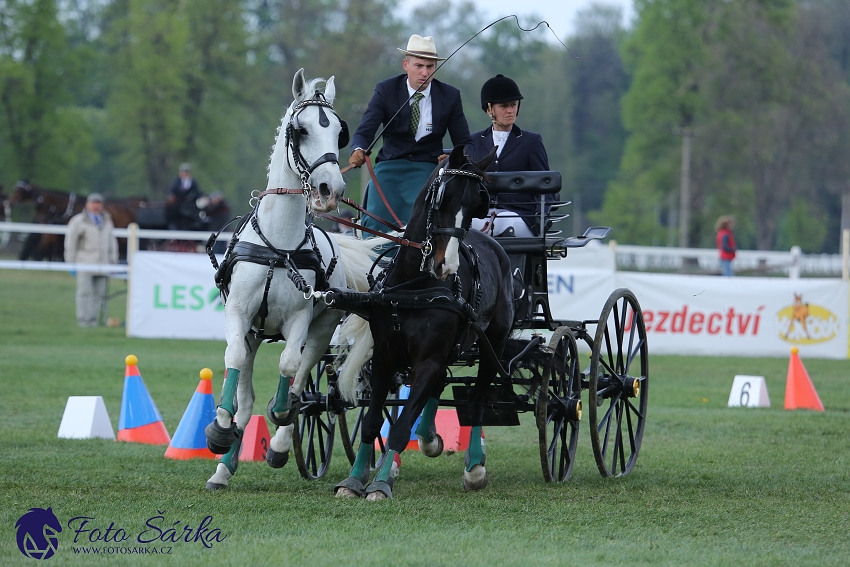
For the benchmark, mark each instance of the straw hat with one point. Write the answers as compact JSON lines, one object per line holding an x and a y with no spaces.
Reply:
{"x":422,"y":47}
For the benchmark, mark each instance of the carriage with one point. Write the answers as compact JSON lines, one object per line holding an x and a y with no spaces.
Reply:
{"x":544,"y":374}
{"x":448,"y":301}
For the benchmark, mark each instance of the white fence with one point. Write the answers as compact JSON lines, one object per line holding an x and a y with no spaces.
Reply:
{"x":628,"y":257}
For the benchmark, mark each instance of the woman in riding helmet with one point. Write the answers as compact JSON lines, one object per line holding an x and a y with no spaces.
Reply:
{"x":518,"y":150}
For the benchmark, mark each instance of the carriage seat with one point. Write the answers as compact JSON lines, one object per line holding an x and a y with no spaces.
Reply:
{"x":526,"y":182}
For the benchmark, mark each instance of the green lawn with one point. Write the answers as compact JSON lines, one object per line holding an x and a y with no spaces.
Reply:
{"x":713,"y":485}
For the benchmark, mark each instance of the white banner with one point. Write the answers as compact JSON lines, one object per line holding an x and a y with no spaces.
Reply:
{"x":742,"y":316}
{"x":173,"y":296}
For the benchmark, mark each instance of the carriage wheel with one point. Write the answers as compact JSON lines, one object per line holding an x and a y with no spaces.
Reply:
{"x":618,"y":384}
{"x":313,"y":437}
{"x":558,"y":408}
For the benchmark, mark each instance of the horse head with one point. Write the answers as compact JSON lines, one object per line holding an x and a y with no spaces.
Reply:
{"x":313,"y":134}
{"x":458,"y":195}
{"x":23,"y":193}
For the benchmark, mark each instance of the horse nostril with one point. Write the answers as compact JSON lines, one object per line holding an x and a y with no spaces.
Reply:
{"x":324,"y":190}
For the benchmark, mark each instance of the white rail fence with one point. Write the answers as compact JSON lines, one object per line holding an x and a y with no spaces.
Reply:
{"x":629,"y":258}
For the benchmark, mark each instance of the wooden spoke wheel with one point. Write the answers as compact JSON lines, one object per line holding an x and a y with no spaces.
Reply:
{"x":558,"y":408}
{"x":618,"y":385}
{"x":313,"y":436}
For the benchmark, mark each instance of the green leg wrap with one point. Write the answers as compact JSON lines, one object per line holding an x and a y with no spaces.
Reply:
{"x":228,"y":393}
{"x":475,"y":453}
{"x":386,"y":468}
{"x":429,"y":412}
{"x":364,"y":454}
{"x":282,"y":403}
{"x":231,"y":458}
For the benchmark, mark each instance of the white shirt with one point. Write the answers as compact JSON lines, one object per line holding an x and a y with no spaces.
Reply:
{"x":425,"y":115}
{"x":500,"y":139}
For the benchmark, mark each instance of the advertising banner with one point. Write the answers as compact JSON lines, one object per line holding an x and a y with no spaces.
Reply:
{"x":173,"y":296}
{"x":742,"y":316}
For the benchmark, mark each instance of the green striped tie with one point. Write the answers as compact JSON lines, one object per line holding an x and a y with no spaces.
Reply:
{"x":414,"y":113}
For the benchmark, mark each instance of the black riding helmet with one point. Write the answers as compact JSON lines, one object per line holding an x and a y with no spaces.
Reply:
{"x":499,"y":89}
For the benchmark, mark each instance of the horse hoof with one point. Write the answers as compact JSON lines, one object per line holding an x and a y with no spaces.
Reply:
{"x":215,"y":486}
{"x":276,"y":460}
{"x":282,"y":419}
{"x":433,"y":448}
{"x":219,"y":439}
{"x":346,"y":493}
{"x":349,"y":488}
{"x":378,"y":490}
{"x":476,"y":479}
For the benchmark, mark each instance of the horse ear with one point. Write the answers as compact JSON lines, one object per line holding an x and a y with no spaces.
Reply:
{"x":488,"y":159}
{"x":298,"y":85}
{"x":330,"y":90}
{"x":457,"y":158}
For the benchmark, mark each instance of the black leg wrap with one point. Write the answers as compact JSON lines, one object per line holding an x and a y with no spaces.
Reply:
{"x":276,"y":460}
{"x":352,"y":484}
{"x":219,"y":440}
{"x":294,"y":407}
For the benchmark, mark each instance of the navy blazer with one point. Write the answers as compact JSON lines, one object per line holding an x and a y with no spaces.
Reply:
{"x":390,"y":95}
{"x":523,"y":151}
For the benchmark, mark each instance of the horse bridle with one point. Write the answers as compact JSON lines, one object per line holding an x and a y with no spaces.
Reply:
{"x":436,"y":193}
{"x":293,"y":138}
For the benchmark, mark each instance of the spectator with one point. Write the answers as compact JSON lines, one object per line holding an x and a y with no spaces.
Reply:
{"x":726,"y":244}
{"x":339,"y":228}
{"x":424,"y":110}
{"x":181,"y":212}
{"x":91,"y":240}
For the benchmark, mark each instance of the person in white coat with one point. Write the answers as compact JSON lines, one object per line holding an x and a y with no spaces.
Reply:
{"x":91,"y":240}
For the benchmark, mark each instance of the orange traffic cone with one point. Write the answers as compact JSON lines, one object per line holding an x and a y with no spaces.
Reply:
{"x":799,"y":391}
{"x":255,"y":440}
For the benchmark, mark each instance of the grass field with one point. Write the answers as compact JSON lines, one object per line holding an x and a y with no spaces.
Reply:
{"x":713,"y":485}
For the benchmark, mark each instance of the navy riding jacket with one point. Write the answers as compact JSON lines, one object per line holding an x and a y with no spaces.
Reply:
{"x":390,"y":95}
{"x":523,"y":151}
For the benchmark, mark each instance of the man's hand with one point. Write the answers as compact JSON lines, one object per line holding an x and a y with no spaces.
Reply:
{"x":442,"y":157}
{"x":358,"y":158}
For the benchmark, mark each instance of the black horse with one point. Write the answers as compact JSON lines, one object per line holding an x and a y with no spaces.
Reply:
{"x":447,"y":290}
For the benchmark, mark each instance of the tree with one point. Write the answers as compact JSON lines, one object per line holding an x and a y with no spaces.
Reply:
{"x":665,"y":53}
{"x":42,"y":133}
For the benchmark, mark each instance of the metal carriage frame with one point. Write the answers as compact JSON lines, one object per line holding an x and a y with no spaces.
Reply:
{"x":546,"y":375}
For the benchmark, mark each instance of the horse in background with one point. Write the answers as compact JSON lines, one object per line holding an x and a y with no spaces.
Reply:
{"x":275,"y":267}
{"x":453,"y":289}
{"x":53,"y":206}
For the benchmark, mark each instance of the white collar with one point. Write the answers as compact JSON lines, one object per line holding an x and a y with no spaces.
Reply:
{"x":426,"y":91}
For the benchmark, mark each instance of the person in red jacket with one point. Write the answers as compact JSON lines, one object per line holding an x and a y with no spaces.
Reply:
{"x":726,"y":244}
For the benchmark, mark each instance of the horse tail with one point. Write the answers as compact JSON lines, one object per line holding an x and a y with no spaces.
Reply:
{"x":357,"y":336}
{"x":357,"y":256}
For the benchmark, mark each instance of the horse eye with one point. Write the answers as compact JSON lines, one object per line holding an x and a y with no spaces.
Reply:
{"x":303,"y":131}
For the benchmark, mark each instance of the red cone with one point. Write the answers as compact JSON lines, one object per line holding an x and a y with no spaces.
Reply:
{"x":799,"y":391}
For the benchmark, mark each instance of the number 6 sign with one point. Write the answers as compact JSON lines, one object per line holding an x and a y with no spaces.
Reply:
{"x":749,"y":392}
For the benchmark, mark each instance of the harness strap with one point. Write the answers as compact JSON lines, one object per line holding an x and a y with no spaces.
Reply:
{"x":351,"y":224}
{"x":386,"y":223}
{"x":381,"y":193}
{"x":280,"y":191}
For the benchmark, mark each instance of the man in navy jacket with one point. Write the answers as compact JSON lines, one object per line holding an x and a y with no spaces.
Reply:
{"x":519,"y":150}
{"x":412,"y":138}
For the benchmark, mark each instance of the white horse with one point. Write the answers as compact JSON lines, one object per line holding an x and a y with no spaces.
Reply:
{"x":278,"y":302}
